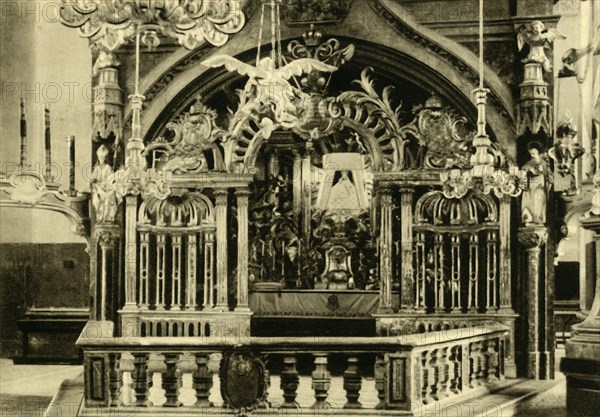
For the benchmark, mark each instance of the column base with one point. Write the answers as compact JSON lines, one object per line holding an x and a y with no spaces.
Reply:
{"x":583,"y":386}
{"x":385,"y":310}
{"x":242,"y":309}
{"x":221,"y":307}
{"x":533,"y":365}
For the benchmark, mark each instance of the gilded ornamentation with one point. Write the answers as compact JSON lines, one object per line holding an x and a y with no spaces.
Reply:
{"x":437,"y":138}
{"x":269,"y":88}
{"x":186,"y":210}
{"x":191,"y":135}
{"x":109,"y":24}
{"x":435,"y":208}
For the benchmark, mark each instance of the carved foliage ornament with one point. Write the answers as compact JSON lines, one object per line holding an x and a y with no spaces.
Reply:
{"x":109,"y":24}
{"x":441,"y":141}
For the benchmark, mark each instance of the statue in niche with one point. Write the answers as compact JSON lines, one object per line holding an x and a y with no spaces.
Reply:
{"x":104,"y":199}
{"x":344,"y":195}
{"x":348,"y":193}
{"x":533,"y":203}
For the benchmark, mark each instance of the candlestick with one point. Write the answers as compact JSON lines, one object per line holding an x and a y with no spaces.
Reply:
{"x":71,"y":142}
{"x":47,"y":144}
{"x":23,"y":131}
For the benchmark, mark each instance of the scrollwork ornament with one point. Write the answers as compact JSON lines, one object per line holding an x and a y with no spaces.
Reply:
{"x":110,"y":24}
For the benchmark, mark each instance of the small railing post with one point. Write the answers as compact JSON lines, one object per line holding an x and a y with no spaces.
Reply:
{"x":321,"y":381}
{"x":289,"y":382}
{"x":202,"y":381}
{"x":352,"y":383}
{"x":171,"y":380}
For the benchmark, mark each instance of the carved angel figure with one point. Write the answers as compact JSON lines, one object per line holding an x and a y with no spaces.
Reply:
{"x":271,"y":86}
{"x":538,"y":38}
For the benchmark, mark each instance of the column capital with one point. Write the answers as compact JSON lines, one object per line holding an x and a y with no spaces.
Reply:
{"x":102,"y":231}
{"x":221,"y":195}
{"x":407,"y":190}
{"x":532,"y":236}
{"x":242,"y":192}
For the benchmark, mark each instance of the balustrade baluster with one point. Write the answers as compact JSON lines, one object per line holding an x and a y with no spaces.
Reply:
{"x":440,"y":283}
{"x":454,"y":370}
{"x":455,"y":283}
{"x":141,"y":380}
{"x":473,"y":304}
{"x":352,"y":383}
{"x":444,"y":365}
{"x":492,"y":361}
{"x":380,"y":381}
{"x":426,"y":377}
{"x":115,"y":379}
{"x":321,"y":381}
{"x":492,"y":275}
{"x":434,"y":375}
{"x":420,"y":271}
{"x":289,"y":382}
{"x":176,"y":272}
{"x":144,"y":289}
{"x":190,"y":299}
{"x":482,"y":369}
{"x":475,"y":351}
{"x":171,"y":380}
{"x":202,"y":381}
{"x":209,"y":264}
{"x":160,"y":270}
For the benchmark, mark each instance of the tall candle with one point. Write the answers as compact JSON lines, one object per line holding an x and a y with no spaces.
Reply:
{"x":47,"y":143}
{"x":71,"y":142}
{"x":23,"y":135}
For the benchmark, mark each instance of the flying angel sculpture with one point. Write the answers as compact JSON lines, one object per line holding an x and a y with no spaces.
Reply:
{"x":538,"y":38}
{"x":271,"y":86}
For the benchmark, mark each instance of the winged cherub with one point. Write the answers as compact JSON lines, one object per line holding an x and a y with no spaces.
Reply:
{"x":271,"y":86}
{"x":538,"y":38}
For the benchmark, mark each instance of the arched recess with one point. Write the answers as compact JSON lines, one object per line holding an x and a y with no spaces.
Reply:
{"x":400,"y":49}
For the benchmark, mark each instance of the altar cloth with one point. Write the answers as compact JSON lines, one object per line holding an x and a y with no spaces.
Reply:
{"x":314,"y":303}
